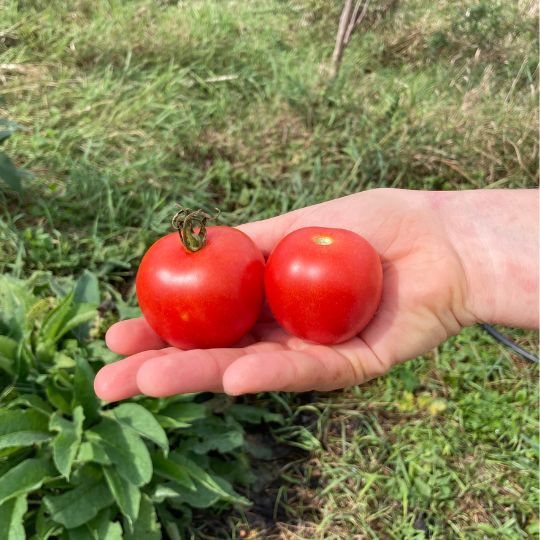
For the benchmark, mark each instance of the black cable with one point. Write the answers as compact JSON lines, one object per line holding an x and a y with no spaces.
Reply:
{"x":509,"y":343}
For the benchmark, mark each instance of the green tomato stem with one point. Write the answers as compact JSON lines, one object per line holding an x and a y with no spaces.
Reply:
{"x":185,"y":221}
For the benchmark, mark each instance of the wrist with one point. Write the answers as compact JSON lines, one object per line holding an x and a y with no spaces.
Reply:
{"x":495,"y":235}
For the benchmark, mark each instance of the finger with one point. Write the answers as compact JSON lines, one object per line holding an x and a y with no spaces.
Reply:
{"x":196,"y":370}
{"x":119,"y":380}
{"x":310,"y":367}
{"x":132,"y":336}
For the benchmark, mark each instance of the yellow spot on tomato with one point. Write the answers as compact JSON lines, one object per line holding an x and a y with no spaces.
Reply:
{"x":184,"y":316}
{"x":323,"y":240}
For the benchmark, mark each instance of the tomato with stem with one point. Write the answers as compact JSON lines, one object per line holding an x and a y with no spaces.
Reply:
{"x":203,"y":286}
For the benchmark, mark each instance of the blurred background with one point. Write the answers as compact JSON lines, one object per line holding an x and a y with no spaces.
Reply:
{"x":112,"y":111}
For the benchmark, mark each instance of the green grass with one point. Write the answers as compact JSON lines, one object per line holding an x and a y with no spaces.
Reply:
{"x":124,"y":117}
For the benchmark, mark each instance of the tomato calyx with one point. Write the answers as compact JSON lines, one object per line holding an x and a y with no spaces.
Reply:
{"x":185,"y":221}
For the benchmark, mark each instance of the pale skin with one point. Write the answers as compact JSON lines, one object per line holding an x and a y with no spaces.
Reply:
{"x":450,"y":260}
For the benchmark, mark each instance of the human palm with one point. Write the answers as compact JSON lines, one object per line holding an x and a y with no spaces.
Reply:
{"x":424,"y":301}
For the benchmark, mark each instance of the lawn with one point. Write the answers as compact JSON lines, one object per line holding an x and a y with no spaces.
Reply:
{"x":125,"y":108}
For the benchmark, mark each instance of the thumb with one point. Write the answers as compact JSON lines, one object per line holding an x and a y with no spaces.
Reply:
{"x":267,"y":233}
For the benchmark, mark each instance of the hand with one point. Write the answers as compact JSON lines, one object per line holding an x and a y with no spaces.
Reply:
{"x":425,"y":300}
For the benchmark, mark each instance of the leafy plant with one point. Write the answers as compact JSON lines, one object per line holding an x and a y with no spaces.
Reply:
{"x":8,"y":171}
{"x":73,"y":467}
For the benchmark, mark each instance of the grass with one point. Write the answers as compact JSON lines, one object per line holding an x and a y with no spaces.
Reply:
{"x":124,"y":114}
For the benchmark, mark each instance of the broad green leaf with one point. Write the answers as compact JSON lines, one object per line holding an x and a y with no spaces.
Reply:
{"x":86,"y":290}
{"x":167,"y":422}
{"x":4,"y":453}
{"x":38,"y":310}
{"x":168,"y":490}
{"x":81,"y":504}
{"x":185,"y":412}
{"x":170,"y":523}
{"x":60,"y":398}
{"x":33,"y":401}
{"x":56,"y":318}
{"x":45,"y":526}
{"x":62,"y":361}
{"x":23,"y":438}
{"x":111,"y":531}
{"x":147,"y":526}
{"x":22,"y":428}
{"x":15,"y":301}
{"x":83,"y":532}
{"x":226,"y":487}
{"x":126,"y":495}
{"x":237,"y":471}
{"x":60,"y":287}
{"x":105,"y":528}
{"x":7,"y":365}
{"x":66,"y":444}
{"x":12,"y":518}
{"x":214,"y":433}
{"x":125,"y":449}
{"x":8,"y":347}
{"x":202,"y":497}
{"x":92,"y":452}
{"x":142,"y":421}
{"x":25,"y":357}
{"x":27,"y":476}
{"x":66,"y":316}
{"x":83,"y":390}
{"x":78,"y":314}
{"x":218,"y":486}
{"x":253,"y":415}
{"x":45,"y":350}
{"x":89,"y":531}
{"x":125,"y":309}
{"x":98,"y":350}
{"x":159,"y":404}
{"x":171,"y":470}
{"x":9,"y":173}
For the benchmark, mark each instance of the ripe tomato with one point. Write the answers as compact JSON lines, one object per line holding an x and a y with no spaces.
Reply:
{"x":205,"y":298}
{"x":323,"y":284}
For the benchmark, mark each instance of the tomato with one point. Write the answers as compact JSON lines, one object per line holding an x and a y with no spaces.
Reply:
{"x":209,"y":297}
{"x":323,"y":284}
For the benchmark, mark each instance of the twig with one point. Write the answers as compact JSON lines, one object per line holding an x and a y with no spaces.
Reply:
{"x":356,"y":19}
{"x":350,"y":26}
{"x":340,"y":38}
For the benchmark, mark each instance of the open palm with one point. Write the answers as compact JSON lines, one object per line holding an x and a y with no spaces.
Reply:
{"x":424,"y":301}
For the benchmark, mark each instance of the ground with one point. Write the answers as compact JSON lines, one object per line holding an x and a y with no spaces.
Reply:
{"x":127,"y":107}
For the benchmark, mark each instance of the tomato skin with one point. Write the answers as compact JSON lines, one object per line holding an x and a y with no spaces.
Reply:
{"x":323,"y":284}
{"x":202,"y":299}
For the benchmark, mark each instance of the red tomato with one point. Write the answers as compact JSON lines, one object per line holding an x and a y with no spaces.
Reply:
{"x":323,"y":284}
{"x":205,"y":298}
